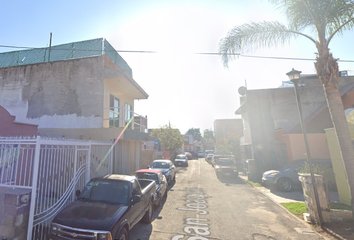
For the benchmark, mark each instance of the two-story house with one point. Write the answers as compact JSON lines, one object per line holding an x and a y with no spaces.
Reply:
{"x":272,"y":133}
{"x":80,"y":90}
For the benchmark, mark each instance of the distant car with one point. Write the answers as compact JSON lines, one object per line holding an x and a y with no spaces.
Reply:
{"x":166,"y":167}
{"x":287,"y":178}
{"x":217,"y":156}
{"x":209,"y":157}
{"x":189,"y":155}
{"x":181,"y":160}
{"x":159,"y":178}
{"x":208,"y":152}
{"x":225,"y":166}
{"x":201,"y":154}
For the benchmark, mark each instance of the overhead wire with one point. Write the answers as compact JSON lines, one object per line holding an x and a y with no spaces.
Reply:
{"x":197,"y":53}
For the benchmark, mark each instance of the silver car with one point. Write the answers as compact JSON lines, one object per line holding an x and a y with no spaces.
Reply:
{"x":166,"y":167}
{"x":159,"y":178}
{"x":181,"y":160}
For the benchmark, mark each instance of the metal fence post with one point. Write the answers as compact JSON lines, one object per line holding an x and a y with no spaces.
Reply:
{"x":34,"y":187}
{"x":88,"y":162}
{"x":75,"y":173}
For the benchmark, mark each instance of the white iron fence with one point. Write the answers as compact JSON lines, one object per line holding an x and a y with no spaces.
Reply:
{"x":53,"y":170}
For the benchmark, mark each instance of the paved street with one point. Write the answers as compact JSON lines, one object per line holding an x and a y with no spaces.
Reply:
{"x":199,"y":206}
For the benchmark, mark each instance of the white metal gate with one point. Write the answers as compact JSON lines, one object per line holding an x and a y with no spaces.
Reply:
{"x":53,"y":170}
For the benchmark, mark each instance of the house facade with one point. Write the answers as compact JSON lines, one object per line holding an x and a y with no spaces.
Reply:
{"x":188,"y":141}
{"x":229,"y":130}
{"x":272,"y":132}
{"x":83,"y":90}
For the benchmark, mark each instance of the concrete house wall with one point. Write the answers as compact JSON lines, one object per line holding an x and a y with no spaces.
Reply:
{"x":69,"y":97}
{"x":63,"y":94}
{"x":269,"y":110}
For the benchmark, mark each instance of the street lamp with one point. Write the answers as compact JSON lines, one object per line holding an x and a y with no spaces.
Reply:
{"x":294,"y":77}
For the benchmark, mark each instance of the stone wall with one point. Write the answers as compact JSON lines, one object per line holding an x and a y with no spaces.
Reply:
{"x":147,"y":157}
{"x":14,"y":213}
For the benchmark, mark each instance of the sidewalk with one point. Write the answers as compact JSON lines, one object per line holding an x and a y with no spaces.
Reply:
{"x":334,"y":230}
{"x":284,"y":197}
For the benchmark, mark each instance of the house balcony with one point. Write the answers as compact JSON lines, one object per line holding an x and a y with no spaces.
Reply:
{"x":121,"y":117}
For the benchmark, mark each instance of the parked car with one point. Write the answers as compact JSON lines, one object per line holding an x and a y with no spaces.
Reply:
{"x":181,"y":160}
{"x":225,"y":166}
{"x":287,"y":178}
{"x":166,"y":167}
{"x":107,"y":208}
{"x":217,"y":156}
{"x":201,"y":154}
{"x":160,"y":180}
{"x":208,"y":152}
{"x":189,"y":155}
{"x":209,"y":157}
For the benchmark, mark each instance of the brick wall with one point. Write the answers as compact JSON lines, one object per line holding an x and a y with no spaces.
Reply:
{"x":14,"y":213}
{"x":147,"y":157}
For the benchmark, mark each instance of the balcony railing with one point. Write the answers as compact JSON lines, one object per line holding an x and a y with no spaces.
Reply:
{"x":120,"y":116}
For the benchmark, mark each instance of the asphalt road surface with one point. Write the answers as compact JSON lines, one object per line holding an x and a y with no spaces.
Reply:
{"x":200,"y":206}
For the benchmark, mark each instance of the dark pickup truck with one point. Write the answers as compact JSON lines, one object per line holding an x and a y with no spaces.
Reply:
{"x":107,"y":209}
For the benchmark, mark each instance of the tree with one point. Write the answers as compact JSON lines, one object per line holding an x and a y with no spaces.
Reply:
{"x":171,"y":138}
{"x":325,"y":19}
{"x":223,"y":146}
{"x":208,"y":134}
{"x":196,"y":133}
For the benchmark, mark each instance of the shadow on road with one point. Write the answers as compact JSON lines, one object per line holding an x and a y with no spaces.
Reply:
{"x":182,"y":169}
{"x":147,"y":228}
{"x":230,"y":180}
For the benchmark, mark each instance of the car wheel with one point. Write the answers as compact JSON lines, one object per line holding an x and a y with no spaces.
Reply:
{"x":123,"y":234}
{"x":158,"y":203}
{"x":284,"y":184}
{"x":186,"y":164}
{"x":148,"y":214}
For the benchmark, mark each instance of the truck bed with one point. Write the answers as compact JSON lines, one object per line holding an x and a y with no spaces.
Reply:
{"x":144,"y":183}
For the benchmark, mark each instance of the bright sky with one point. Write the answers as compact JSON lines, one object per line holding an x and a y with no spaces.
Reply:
{"x":185,"y":89}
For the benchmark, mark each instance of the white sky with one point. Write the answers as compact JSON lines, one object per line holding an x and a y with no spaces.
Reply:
{"x":185,"y":89}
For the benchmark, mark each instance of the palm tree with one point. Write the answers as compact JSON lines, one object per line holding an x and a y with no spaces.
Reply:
{"x":325,"y":18}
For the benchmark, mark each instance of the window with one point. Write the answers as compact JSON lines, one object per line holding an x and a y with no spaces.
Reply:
{"x":113,"y":112}
{"x":136,"y":189}
{"x":127,"y":113}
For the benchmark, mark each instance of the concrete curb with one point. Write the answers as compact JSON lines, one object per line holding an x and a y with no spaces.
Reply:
{"x":307,"y":225}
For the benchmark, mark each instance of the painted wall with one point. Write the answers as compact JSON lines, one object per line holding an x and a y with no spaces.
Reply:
{"x":348,"y":100}
{"x":295,"y":145}
{"x":9,"y":127}
{"x":62,"y":94}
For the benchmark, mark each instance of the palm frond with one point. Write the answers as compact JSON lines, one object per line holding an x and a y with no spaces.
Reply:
{"x":254,"y":36}
{"x":322,"y":15}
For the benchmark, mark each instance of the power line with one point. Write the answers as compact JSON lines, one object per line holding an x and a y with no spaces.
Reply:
{"x":155,"y":52}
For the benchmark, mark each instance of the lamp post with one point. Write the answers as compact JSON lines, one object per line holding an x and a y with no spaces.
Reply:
{"x":294,"y":77}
